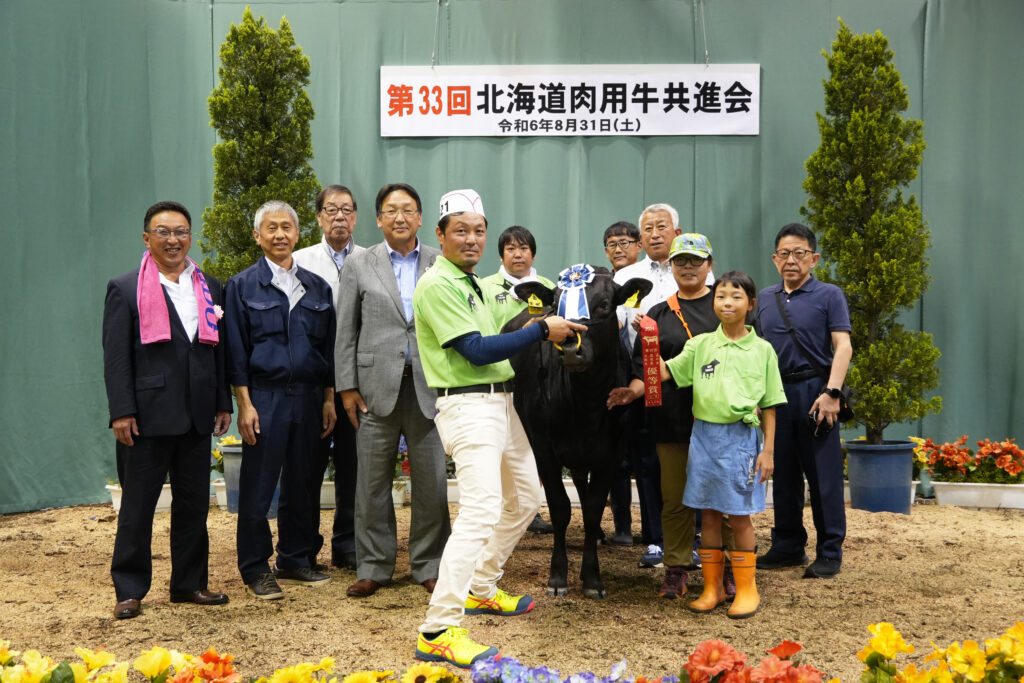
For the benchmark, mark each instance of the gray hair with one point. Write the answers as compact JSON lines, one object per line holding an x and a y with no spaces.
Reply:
{"x":274,"y":206}
{"x":660,"y":207}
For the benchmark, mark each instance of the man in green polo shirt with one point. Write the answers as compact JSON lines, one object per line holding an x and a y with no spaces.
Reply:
{"x":466,"y":360}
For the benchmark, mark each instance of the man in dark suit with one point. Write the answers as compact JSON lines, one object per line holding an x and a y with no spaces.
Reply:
{"x":167,"y":391}
{"x":385,"y":395}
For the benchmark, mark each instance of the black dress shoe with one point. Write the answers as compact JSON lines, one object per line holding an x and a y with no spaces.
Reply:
{"x":823,"y":568}
{"x":540,"y":526}
{"x":128,"y":609}
{"x":429,"y":585}
{"x":345,"y":561}
{"x":201,"y":597}
{"x":773,"y":559}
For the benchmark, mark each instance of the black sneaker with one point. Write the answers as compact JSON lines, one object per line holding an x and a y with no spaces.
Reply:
{"x":265,"y":587}
{"x":823,"y":568}
{"x":773,"y":559}
{"x":301,"y":576}
{"x":540,"y":526}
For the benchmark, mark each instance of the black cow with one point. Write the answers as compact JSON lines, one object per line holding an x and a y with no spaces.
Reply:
{"x":560,"y":396}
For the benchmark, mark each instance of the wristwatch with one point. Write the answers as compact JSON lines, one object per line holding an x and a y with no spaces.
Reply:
{"x":832,"y":392}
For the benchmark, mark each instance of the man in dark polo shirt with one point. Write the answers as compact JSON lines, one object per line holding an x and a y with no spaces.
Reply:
{"x":820,"y":318}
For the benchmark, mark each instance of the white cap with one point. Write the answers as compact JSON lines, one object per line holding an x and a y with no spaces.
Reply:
{"x":460,"y":201}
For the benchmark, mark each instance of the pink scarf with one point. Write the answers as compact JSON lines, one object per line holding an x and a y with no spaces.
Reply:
{"x":154,"y":320}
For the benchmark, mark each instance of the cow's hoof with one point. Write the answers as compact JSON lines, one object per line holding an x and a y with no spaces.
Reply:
{"x":595,"y":593}
{"x":560,"y":592}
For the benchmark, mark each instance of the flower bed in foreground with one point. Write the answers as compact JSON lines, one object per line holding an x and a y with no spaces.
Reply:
{"x":999,"y":660}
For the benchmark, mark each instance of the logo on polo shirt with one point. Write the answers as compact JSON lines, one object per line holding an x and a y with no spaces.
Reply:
{"x":706,"y":371}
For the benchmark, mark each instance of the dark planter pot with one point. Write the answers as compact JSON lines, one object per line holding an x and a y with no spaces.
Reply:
{"x":880,"y":475}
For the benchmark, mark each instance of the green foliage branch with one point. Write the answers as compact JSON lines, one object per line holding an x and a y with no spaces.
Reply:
{"x":261,"y":113}
{"x":873,"y":239}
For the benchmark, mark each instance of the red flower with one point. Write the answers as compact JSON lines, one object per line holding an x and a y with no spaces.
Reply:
{"x":771,"y":668}
{"x":711,"y":658}
{"x":805,"y":673}
{"x":785,"y":650}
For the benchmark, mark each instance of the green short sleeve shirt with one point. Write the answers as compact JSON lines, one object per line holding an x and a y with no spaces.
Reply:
{"x":499,"y":290}
{"x":447,"y":306}
{"x":730,"y":379}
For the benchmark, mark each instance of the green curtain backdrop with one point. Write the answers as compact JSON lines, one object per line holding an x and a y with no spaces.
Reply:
{"x":103,"y":112}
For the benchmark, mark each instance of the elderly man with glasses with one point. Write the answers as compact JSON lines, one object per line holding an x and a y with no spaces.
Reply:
{"x":336,"y":215}
{"x":808,"y":324}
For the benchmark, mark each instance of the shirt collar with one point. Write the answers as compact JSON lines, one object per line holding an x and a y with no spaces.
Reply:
{"x":513,"y":281}
{"x":745,"y":342}
{"x":345,"y":251}
{"x":395,"y":254}
{"x":278,"y":270}
{"x":809,"y":285}
{"x":183,"y":276}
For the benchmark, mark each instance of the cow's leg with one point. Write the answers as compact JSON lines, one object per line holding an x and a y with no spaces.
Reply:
{"x":560,"y":511}
{"x":593,"y":510}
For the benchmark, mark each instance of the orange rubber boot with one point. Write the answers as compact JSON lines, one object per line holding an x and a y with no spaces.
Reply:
{"x":712,"y":564}
{"x":747,"y":600}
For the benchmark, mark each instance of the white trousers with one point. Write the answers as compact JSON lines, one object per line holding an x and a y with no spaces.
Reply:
{"x":499,"y":494}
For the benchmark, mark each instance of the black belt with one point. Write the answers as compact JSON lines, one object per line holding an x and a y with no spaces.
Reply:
{"x":497,"y":388}
{"x":407,"y":371}
{"x":800,"y":376}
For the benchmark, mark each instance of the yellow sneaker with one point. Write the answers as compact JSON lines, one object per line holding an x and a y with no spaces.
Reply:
{"x":453,"y":645}
{"x":502,"y":604}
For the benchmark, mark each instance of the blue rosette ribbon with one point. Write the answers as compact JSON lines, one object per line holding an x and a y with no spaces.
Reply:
{"x":573,"y":282}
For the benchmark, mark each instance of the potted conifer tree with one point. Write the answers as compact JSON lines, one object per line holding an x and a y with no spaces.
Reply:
{"x":874,"y":241}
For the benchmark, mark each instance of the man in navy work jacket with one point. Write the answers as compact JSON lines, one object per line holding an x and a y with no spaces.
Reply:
{"x":163,"y":362}
{"x":279,"y":322}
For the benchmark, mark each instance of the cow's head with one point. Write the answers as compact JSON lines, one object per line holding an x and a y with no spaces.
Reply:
{"x":586,"y":295}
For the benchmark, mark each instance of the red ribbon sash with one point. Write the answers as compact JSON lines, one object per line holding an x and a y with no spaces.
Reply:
{"x":652,"y":361}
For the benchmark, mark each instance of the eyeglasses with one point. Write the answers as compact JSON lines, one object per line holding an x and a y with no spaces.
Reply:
{"x":331,"y":210}
{"x":620,"y":244}
{"x":164,"y":233}
{"x":688,"y":260}
{"x":393,"y":213}
{"x":799,"y":254}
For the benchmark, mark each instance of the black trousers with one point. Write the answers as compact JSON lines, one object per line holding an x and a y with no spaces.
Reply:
{"x":341,"y":447}
{"x":142,"y":469}
{"x":285,"y":450}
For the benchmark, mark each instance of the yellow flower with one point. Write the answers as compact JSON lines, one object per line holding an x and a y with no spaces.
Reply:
{"x":300,"y":673}
{"x":229,"y":440}
{"x":1016,"y":632}
{"x":152,"y":663}
{"x":36,"y":666}
{"x":95,"y":660}
{"x":81,"y":673}
{"x":326,"y":665}
{"x":888,"y":642}
{"x":6,"y":654}
{"x":12,"y":674}
{"x":180,"y":660}
{"x":367,"y":676}
{"x":119,"y":674}
{"x":968,"y":660}
{"x":911,"y":675}
{"x":423,"y":673}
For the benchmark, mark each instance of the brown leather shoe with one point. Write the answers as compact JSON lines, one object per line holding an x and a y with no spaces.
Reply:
{"x":203,"y":597}
{"x":363,"y":588}
{"x":128,"y":609}
{"x":429,"y":585}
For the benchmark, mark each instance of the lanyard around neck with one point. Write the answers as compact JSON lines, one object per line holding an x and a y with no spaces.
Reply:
{"x":673,"y":303}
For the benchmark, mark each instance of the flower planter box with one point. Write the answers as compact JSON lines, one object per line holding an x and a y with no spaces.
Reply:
{"x":220,"y":490}
{"x":399,"y":492}
{"x":163,"y":503}
{"x":967,"y":494}
{"x":327,"y":495}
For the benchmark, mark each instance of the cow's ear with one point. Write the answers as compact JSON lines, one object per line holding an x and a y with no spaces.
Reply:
{"x":524,"y":290}
{"x":637,"y":285}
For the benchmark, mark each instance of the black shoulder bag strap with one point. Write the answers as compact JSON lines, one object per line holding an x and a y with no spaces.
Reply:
{"x":796,"y":340}
{"x":845,"y":412}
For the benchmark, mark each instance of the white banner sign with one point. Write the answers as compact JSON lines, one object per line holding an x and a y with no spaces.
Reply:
{"x":599,"y":99}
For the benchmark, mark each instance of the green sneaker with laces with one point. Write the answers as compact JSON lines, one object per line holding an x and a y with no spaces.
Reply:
{"x":453,"y":645}
{"x":502,"y":604}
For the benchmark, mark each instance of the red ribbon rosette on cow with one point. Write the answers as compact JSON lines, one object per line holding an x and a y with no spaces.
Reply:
{"x":651,"y":354}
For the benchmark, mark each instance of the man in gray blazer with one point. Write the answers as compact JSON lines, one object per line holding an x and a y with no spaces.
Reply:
{"x":385,"y":395}
{"x":336,"y":215}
